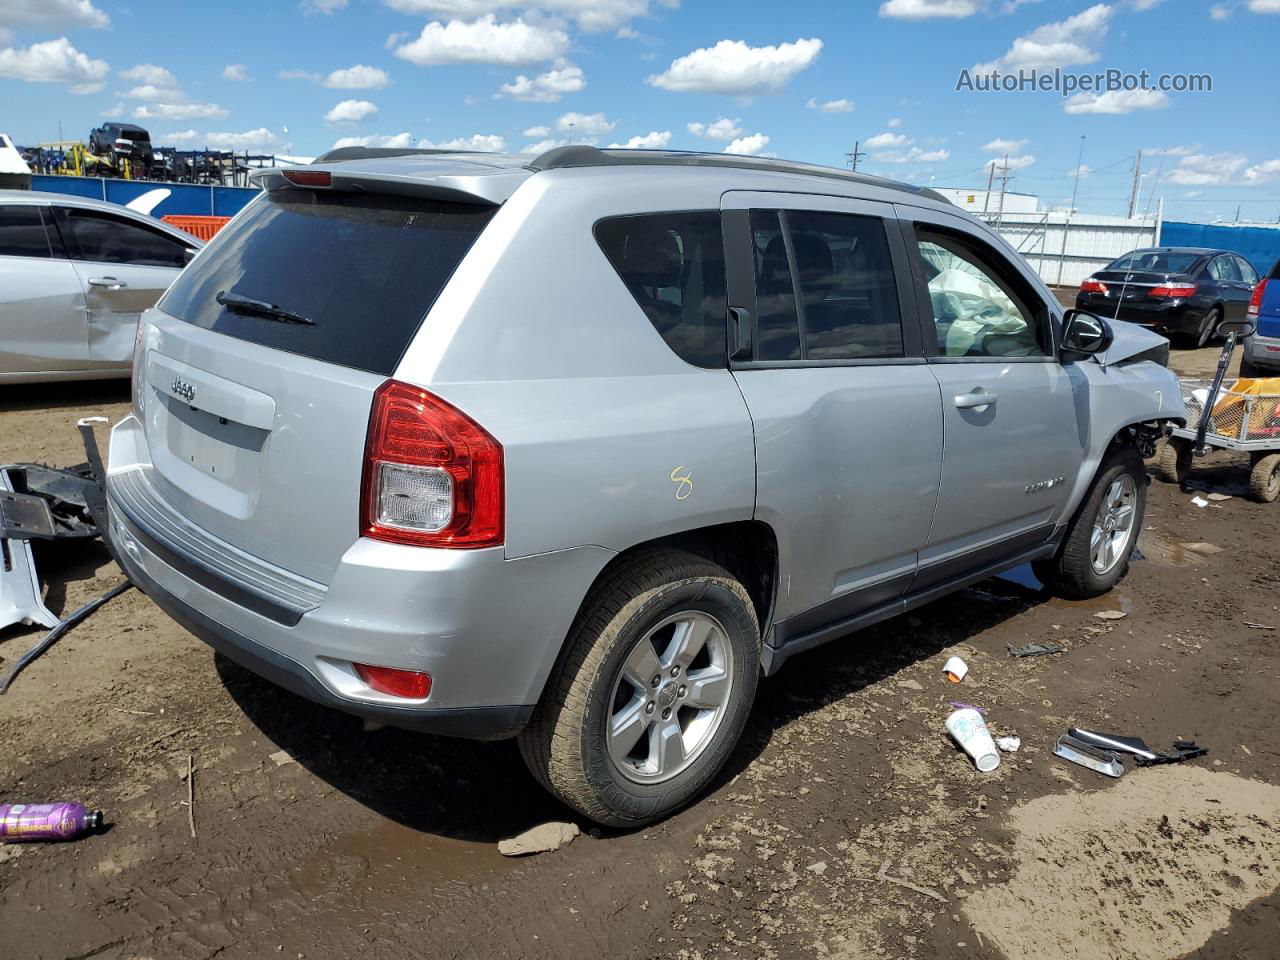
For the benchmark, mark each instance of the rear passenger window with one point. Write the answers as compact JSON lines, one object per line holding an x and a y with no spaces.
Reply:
{"x":824,"y":287}
{"x":673,"y":264}
{"x":22,"y":232}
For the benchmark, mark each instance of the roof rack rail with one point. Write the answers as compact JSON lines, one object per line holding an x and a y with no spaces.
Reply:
{"x":370,"y":153}
{"x":580,"y":155}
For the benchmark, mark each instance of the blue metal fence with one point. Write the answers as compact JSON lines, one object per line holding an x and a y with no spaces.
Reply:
{"x":1259,"y":245}
{"x":183,"y":198}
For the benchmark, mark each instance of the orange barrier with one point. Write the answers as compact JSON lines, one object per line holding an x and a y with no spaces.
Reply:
{"x":202,"y":228}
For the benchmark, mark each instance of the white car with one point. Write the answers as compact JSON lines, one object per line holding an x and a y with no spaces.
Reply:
{"x":74,"y":276}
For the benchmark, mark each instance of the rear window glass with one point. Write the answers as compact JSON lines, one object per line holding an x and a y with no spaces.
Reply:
{"x":673,"y":264}
{"x":365,"y":268}
{"x":1155,"y":261}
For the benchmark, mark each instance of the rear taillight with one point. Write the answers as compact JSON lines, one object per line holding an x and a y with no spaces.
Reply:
{"x":1093,"y":286}
{"x":433,"y":477}
{"x":1179,"y":290}
{"x":410,"y":684}
{"x":309,"y":178}
{"x":1255,"y":302}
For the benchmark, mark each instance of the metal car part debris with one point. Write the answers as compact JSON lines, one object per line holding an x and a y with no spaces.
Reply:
{"x":1087,"y":755}
{"x":20,"y":600}
{"x":59,"y":628}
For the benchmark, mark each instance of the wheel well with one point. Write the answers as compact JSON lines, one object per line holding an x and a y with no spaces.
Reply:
{"x":1142,"y":435}
{"x":747,"y":548}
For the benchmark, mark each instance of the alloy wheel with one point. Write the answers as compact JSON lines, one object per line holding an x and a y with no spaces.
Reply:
{"x":1113,"y":526}
{"x":671,"y":695}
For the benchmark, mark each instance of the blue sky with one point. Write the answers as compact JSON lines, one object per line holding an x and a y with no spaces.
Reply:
{"x":801,"y":80}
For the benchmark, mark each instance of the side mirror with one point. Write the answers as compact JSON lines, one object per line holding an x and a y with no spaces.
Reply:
{"x":1084,"y":334}
{"x":1241,"y":328}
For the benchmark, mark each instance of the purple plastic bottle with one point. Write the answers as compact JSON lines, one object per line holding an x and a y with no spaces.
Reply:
{"x":24,"y":822}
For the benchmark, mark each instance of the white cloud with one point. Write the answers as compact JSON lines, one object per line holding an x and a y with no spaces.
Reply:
{"x":653,"y":140}
{"x":748,"y":146}
{"x":592,"y":16}
{"x":179,"y":111}
{"x":51,"y":14}
{"x":546,"y":87}
{"x":924,"y":9}
{"x":1116,"y":102}
{"x":1083,"y":171}
{"x":491,"y":142}
{"x":1264,"y":6}
{"x":1176,"y":151}
{"x":260,"y":140}
{"x":149,"y":91}
{"x":1064,"y":43}
{"x":322,"y":6}
{"x":734,"y":68}
{"x":1260,"y":172}
{"x":1145,"y":4}
{"x":722,"y":129}
{"x":300,"y":75}
{"x":1004,"y":145}
{"x":886,"y":139}
{"x":1220,"y":11}
{"x":116,"y":110}
{"x":236,"y":72}
{"x":894,"y":123}
{"x":1207,"y":169}
{"x":149,"y":74}
{"x":375,"y":140}
{"x":54,"y":61}
{"x":537,"y":132}
{"x":830,"y":106}
{"x":351,"y":111}
{"x":585,"y":124}
{"x":359,"y":77}
{"x":484,"y":41}
{"x":542,"y":146}
{"x":1016,"y":162}
{"x":914,"y":155}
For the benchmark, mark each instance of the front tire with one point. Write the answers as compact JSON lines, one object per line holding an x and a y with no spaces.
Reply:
{"x":1208,"y":328}
{"x":652,"y":692}
{"x":1100,"y":538}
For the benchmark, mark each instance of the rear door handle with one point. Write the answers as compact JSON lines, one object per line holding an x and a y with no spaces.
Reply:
{"x":111,"y":283}
{"x":975,"y":401}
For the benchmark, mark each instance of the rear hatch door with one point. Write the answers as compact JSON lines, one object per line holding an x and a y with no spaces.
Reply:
{"x":256,"y":418}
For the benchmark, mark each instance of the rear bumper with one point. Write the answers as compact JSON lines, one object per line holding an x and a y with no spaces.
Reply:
{"x":487,"y":629}
{"x":1263,"y":351}
{"x":1184,"y":317}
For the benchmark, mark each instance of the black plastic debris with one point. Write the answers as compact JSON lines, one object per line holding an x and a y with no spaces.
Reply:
{"x":47,"y":503}
{"x":1035,"y":649}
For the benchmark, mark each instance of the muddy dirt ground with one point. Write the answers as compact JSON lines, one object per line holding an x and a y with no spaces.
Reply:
{"x":846,"y":824}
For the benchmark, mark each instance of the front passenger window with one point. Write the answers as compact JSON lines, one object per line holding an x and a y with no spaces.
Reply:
{"x":975,"y":312}
{"x":102,"y":238}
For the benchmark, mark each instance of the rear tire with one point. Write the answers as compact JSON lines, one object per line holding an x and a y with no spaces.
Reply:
{"x":686,"y":713}
{"x":1264,"y":478}
{"x":1173,"y":460}
{"x":1208,"y":327}
{"x":1251,"y":371}
{"x":1085,"y":566}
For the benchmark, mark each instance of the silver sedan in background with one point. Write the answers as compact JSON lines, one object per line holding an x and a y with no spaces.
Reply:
{"x":74,"y":276}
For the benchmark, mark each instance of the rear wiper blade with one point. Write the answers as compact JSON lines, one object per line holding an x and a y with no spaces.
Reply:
{"x":242,"y":304}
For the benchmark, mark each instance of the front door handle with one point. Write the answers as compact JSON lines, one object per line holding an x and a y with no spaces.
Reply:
{"x":111,"y":283}
{"x":975,"y":401}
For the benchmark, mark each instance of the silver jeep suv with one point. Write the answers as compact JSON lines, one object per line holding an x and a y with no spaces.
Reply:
{"x":578,"y":449}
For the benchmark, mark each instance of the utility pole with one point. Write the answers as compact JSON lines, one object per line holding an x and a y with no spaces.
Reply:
{"x":991,"y":172}
{"x":856,"y":156}
{"x":1137,"y":180}
{"x":1004,"y":183}
{"x":1071,"y":211}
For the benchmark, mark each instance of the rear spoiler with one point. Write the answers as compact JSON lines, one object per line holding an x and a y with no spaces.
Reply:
{"x":488,"y":187}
